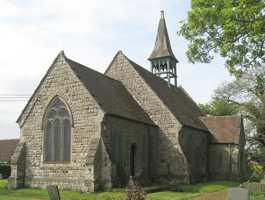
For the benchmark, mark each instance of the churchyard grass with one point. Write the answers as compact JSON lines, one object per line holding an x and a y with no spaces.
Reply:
{"x":183,"y":192}
{"x":258,"y":196}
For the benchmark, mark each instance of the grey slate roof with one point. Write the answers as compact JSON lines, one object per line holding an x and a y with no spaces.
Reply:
{"x":175,"y":98}
{"x":110,"y":94}
{"x":162,"y":46}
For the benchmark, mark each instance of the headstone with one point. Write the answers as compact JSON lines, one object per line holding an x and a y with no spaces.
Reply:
{"x":238,"y":194}
{"x":53,"y":192}
{"x":1,"y":177}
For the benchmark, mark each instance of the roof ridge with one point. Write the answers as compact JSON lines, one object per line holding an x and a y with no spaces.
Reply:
{"x":113,"y":59}
{"x":61,"y":54}
{"x":150,"y":73}
{"x":88,"y":68}
{"x":222,"y":116}
{"x":125,"y":106}
{"x":147,"y":76}
{"x":8,"y":139}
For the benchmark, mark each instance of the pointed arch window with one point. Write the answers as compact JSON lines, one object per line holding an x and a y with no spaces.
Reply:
{"x":57,"y":133}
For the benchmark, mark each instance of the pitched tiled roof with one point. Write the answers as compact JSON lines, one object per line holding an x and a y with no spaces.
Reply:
{"x":7,"y":148}
{"x":111,"y":95}
{"x":224,"y":129}
{"x":175,"y":98}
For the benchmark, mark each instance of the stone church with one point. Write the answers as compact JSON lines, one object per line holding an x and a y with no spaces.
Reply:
{"x":87,"y":131}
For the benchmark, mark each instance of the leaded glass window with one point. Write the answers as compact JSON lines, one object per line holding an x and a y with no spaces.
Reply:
{"x":57,"y":132}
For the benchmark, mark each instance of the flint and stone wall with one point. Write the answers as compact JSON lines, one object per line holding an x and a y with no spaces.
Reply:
{"x":195,"y":146}
{"x":78,"y":174}
{"x":224,"y":162}
{"x":119,"y":137}
{"x":228,"y":161}
{"x":168,"y":162}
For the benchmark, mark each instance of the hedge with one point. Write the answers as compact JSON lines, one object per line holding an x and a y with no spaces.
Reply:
{"x":5,"y":170}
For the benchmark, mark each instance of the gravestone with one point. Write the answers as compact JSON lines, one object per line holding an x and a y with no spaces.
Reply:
{"x":1,"y":177}
{"x":238,"y":194}
{"x":53,"y":192}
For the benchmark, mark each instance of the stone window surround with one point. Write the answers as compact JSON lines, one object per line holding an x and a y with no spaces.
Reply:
{"x":68,"y":163}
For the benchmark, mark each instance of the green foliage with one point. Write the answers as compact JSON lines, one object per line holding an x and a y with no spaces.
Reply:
{"x":219,"y":107}
{"x":188,"y":192}
{"x":257,"y":171}
{"x":258,"y":155}
{"x":5,"y":170}
{"x":208,"y":187}
{"x":169,"y":195}
{"x":248,"y":92}
{"x":233,"y":28}
{"x":42,"y":194}
{"x":260,"y":196}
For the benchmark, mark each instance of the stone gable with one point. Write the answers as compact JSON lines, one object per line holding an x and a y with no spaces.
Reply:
{"x":61,"y":81}
{"x":171,"y":161}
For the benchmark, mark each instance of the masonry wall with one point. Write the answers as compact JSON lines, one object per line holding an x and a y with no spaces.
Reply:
{"x":224,"y":162}
{"x":79,"y":173}
{"x":120,"y":135}
{"x":194,"y":143}
{"x":102,"y":168}
{"x":168,"y":161}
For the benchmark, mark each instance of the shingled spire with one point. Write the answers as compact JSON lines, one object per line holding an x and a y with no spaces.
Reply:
{"x":162,"y":58}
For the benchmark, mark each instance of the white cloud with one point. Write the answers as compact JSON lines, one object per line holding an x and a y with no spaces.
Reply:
{"x":32,"y":32}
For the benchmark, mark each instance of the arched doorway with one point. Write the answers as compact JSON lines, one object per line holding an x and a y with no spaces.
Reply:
{"x":132,"y":159}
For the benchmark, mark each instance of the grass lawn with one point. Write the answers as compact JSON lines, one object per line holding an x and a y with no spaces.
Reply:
{"x":258,"y":196}
{"x":183,"y":192}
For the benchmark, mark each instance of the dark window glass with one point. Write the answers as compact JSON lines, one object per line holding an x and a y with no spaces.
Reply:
{"x":48,"y":140}
{"x":57,"y":133}
{"x":67,"y":139}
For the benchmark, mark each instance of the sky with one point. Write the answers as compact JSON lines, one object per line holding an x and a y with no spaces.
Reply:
{"x":33,"y":32}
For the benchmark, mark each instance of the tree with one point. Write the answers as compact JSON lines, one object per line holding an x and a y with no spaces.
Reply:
{"x":248,"y":92}
{"x":219,"y":107}
{"x":233,"y":28}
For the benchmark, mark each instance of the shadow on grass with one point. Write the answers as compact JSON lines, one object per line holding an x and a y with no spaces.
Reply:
{"x":207,"y":187}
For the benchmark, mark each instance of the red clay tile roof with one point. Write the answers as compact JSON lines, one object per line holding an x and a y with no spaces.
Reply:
{"x":7,"y":148}
{"x":224,"y":129}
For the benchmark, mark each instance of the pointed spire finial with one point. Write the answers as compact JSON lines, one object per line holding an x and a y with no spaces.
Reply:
{"x":162,"y":46}
{"x":62,"y":53}
{"x":162,"y":58}
{"x":162,"y":14}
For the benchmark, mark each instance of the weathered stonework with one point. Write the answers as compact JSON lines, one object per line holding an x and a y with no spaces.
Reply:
{"x":223,"y":162}
{"x":17,"y":177}
{"x":129,"y":133}
{"x":111,"y":144}
{"x":168,"y":161}
{"x":126,"y":122}
{"x":227,"y":159}
{"x":78,"y":174}
{"x":195,"y":147}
